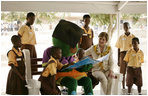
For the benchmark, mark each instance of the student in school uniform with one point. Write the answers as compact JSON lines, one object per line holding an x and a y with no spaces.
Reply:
{"x":16,"y":78}
{"x":27,"y":34}
{"x":47,"y":78}
{"x":87,"y":38}
{"x":124,"y":43}
{"x":134,"y":57}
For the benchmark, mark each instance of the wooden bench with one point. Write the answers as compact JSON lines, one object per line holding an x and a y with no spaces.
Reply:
{"x":36,"y":66}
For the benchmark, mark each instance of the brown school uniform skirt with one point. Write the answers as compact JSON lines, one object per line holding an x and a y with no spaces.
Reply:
{"x":123,"y":64}
{"x":134,"y":76}
{"x":32,"y":53}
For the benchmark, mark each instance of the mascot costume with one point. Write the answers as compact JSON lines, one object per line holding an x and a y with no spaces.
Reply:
{"x":66,"y":36}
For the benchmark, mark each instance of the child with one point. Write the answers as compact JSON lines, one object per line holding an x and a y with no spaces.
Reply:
{"x":87,"y":38}
{"x":16,"y":78}
{"x":123,"y":44}
{"x":134,"y":58}
{"x":27,"y":34}
{"x":47,"y":78}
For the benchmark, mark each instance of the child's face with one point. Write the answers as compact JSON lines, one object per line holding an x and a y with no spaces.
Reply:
{"x":58,"y":54}
{"x":17,"y":43}
{"x":126,"y":27}
{"x":87,"y":21}
{"x":135,"y":44}
{"x":31,"y":20}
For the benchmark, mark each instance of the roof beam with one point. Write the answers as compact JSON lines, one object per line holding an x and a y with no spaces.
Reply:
{"x":122,"y":4}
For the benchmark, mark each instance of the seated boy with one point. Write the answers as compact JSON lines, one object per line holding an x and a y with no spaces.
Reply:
{"x":47,"y":78}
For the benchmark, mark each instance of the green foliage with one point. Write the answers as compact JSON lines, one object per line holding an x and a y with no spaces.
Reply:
{"x":45,"y":17}
{"x":101,"y":19}
{"x":13,"y":16}
{"x":41,"y":17}
{"x":38,"y":21}
{"x":104,"y":19}
{"x":3,"y":15}
{"x":134,"y":17}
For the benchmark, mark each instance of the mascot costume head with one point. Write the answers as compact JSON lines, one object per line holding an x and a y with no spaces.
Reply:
{"x":66,"y":36}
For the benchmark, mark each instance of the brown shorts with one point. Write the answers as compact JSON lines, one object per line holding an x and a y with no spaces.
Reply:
{"x":134,"y":76}
{"x":123,"y":64}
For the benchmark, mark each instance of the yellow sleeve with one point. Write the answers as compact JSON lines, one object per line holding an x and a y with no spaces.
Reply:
{"x":118,"y":43}
{"x":126,"y":58}
{"x":59,"y":65}
{"x":21,"y":31}
{"x":12,"y":58}
{"x":46,"y":72}
{"x":50,"y":69}
{"x":142,"y":58}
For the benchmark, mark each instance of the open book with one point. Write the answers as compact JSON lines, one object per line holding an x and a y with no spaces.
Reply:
{"x":87,"y":60}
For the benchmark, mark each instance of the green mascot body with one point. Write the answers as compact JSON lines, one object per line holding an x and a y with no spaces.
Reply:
{"x":66,"y":36}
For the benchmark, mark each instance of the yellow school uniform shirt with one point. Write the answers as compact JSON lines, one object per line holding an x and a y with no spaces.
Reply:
{"x":124,"y":43}
{"x":89,"y":32}
{"x":52,"y":67}
{"x":12,"y":57}
{"x":134,"y":58}
{"x":28,"y":35}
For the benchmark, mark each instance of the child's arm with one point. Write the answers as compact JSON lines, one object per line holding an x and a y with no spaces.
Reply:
{"x":118,"y":57}
{"x":126,"y":58}
{"x":92,"y":36}
{"x":12,"y":62}
{"x":17,"y":72}
{"x":142,"y":58}
{"x":66,"y":65}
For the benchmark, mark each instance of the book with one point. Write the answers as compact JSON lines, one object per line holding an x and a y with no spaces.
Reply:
{"x":87,"y":60}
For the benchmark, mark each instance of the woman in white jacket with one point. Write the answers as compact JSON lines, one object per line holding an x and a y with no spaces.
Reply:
{"x":103,"y":70}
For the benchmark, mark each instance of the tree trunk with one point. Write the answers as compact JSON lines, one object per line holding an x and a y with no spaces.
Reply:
{"x":111,"y":28}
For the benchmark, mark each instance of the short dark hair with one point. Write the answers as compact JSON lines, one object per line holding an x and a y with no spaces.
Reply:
{"x":136,"y":39}
{"x":14,"y":38}
{"x":104,"y":34}
{"x":30,"y":14}
{"x":54,"y":49}
{"x":86,"y":16}
{"x":126,"y":23}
